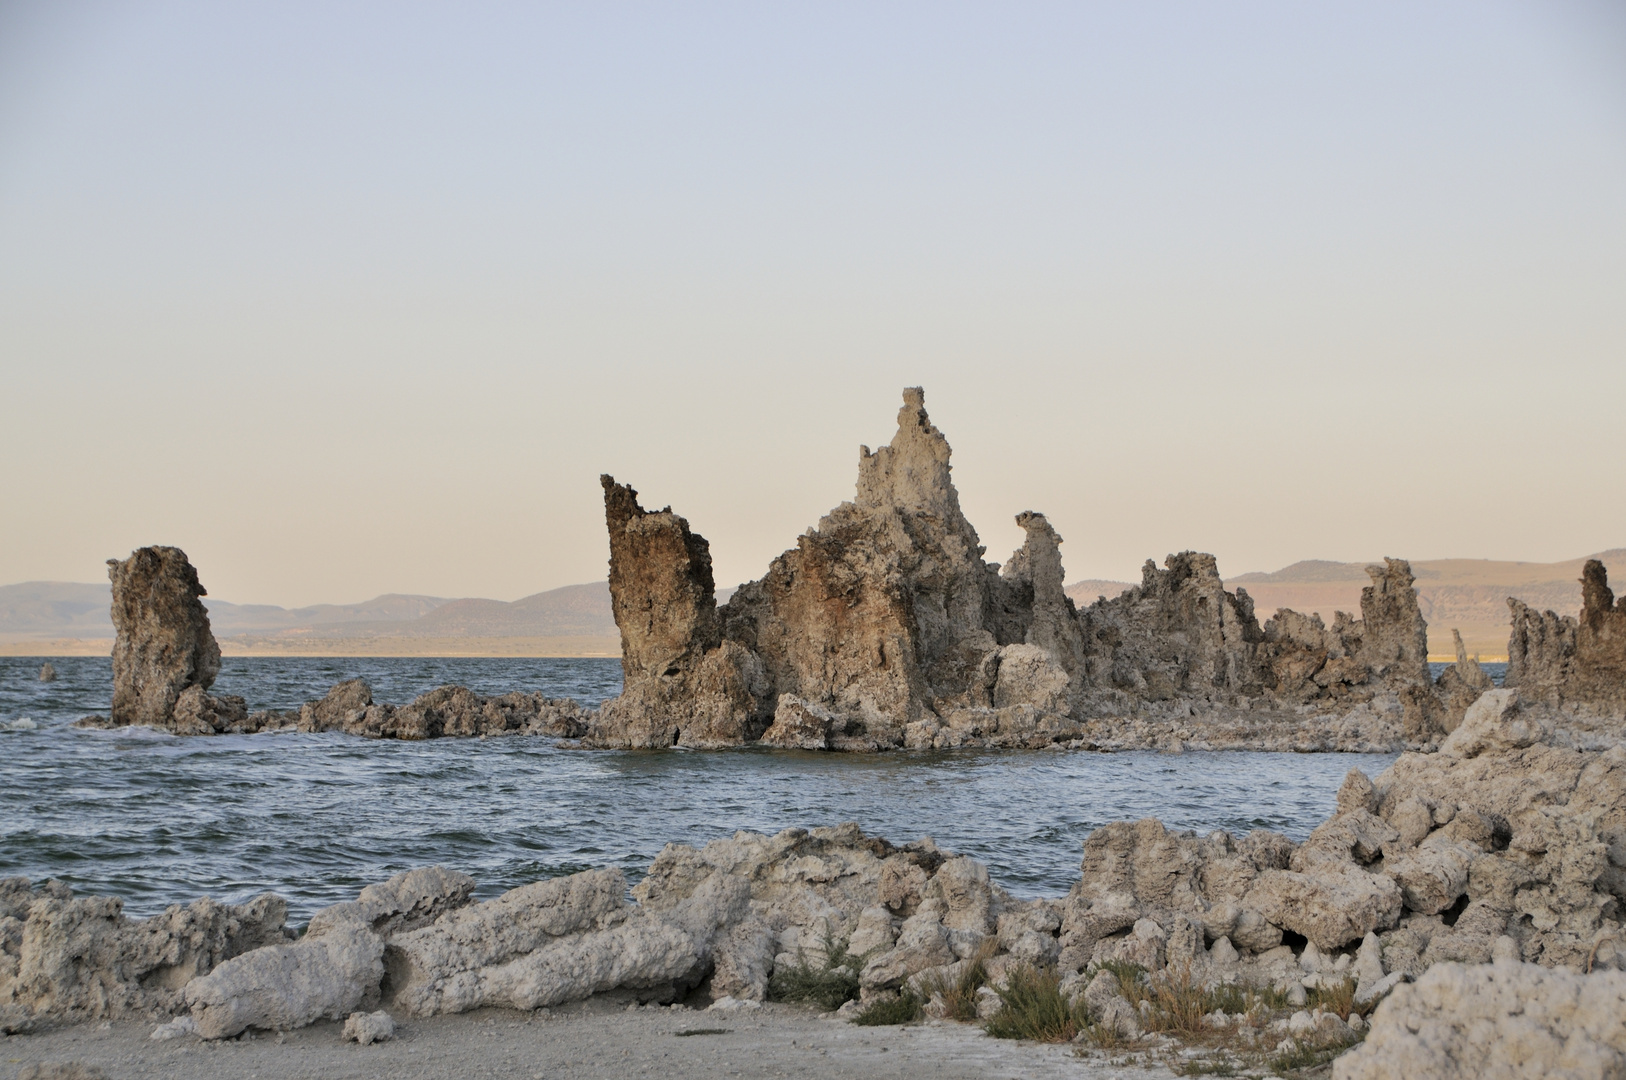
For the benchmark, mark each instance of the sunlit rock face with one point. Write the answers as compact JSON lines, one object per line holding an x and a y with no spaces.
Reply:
{"x":884,"y":627}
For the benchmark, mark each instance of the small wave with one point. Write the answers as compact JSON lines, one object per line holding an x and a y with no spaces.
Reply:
{"x":22,"y":723}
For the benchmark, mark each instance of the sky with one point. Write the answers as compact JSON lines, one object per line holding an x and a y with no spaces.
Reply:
{"x":354,"y":298}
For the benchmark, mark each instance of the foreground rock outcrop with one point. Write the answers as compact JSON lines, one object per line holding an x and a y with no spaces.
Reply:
{"x":885,"y":627}
{"x":164,"y":649}
{"x":1507,"y":846}
{"x":67,"y":958}
{"x":1499,"y":834}
{"x":1462,"y":1022}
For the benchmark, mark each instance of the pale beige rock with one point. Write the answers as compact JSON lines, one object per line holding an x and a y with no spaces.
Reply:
{"x":368,"y":1028}
{"x":1496,"y":1020}
{"x":74,"y":959}
{"x":281,"y":987}
{"x":405,"y":902}
{"x":799,"y":725}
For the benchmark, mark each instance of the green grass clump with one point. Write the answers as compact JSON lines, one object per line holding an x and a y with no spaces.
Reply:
{"x":903,"y":1009}
{"x":1032,"y":1006}
{"x":830,"y":983}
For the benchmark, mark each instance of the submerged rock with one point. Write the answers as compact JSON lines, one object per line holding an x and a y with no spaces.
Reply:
{"x":348,"y":707}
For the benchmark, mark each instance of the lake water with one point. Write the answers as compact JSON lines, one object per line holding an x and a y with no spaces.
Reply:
{"x":160,"y":820}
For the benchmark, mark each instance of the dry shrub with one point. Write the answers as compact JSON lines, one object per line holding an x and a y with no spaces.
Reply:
{"x":959,"y":995}
{"x":903,"y":1009}
{"x":830,"y":984}
{"x":1032,"y":1006}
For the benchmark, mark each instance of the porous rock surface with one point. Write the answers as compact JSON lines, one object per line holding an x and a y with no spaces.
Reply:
{"x":1499,"y":833}
{"x":885,"y":627}
{"x":78,"y":958}
{"x":348,"y":707}
{"x":1506,"y":846}
{"x":163,"y":645}
{"x":1463,"y":1022}
{"x":682,"y":684}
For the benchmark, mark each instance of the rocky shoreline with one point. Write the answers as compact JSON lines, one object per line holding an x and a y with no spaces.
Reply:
{"x":1488,"y":875}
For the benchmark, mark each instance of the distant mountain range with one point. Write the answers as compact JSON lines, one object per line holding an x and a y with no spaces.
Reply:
{"x":571,"y":621}
{"x":1469,"y":595}
{"x":53,"y":618}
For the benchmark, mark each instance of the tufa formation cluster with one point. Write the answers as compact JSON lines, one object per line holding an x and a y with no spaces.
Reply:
{"x":885,"y":627}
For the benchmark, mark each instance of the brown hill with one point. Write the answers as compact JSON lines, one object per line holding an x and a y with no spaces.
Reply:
{"x":57,"y":619}
{"x":571,"y":621}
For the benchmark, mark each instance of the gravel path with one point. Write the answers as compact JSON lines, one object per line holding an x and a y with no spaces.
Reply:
{"x":590,"y":1040}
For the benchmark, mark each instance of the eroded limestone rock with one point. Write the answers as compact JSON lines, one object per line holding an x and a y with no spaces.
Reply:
{"x":682,"y":684}
{"x":325,"y":974}
{"x":1461,"y":684}
{"x":66,"y":958}
{"x":1462,"y":1022}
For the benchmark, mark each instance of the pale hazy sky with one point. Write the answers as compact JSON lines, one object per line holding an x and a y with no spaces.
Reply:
{"x":355,"y":298}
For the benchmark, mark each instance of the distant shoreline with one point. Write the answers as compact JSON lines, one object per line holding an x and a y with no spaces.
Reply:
{"x":538,"y":648}
{"x":464,"y":648}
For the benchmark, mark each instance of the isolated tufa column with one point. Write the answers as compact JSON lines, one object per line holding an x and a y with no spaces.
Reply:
{"x":164,"y":644}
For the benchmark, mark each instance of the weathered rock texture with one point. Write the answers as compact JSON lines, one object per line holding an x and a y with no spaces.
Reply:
{"x":1463,"y":1022}
{"x":1573,"y":662}
{"x":885,"y":627}
{"x":1504,"y":846}
{"x":348,"y":707}
{"x":443,"y":712}
{"x":683,"y":685}
{"x":78,"y":958}
{"x":163,"y":645}
{"x":1499,"y":836}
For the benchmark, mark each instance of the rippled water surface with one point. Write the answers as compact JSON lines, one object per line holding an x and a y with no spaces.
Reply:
{"x":158,"y":819}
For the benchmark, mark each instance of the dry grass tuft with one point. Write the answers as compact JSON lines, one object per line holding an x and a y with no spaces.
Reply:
{"x":959,"y":996}
{"x":1032,"y":1006}
{"x":1338,"y":998}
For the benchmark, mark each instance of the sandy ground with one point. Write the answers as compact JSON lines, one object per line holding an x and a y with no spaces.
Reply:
{"x":597,"y":1039}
